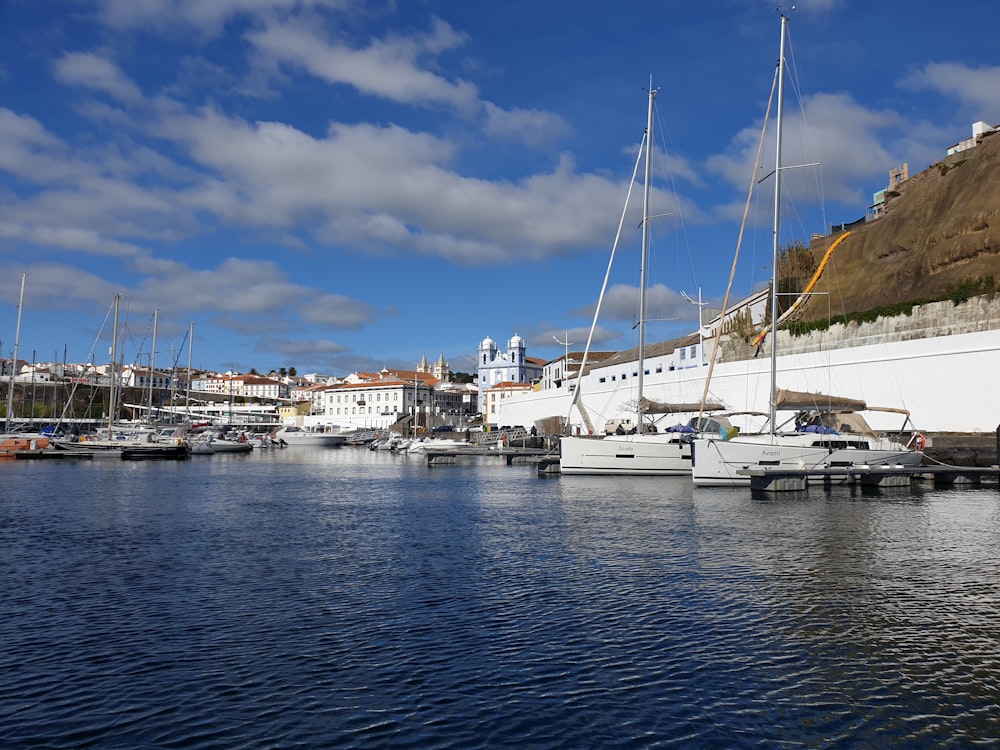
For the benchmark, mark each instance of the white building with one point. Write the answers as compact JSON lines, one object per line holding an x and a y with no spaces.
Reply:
{"x":494,"y":396}
{"x":979,"y":129}
{"x":513,"y":366}
{"x":381,"y":401}
{"x":258,"y":387}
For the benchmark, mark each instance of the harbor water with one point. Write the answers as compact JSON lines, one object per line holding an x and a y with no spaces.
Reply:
{"x":345,"y":598}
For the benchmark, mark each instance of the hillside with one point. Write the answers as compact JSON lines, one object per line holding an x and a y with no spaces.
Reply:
{"x":941,"y":228}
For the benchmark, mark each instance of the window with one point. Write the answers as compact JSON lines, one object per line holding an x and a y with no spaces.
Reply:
{"x":683,"y":353}
{"x":601,"y":380}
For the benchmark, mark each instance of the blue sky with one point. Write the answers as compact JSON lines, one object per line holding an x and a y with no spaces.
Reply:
{"x":340,"y":185}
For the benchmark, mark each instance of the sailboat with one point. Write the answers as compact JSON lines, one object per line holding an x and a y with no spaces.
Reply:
{"x":12,"y":441}
{"x":639,"y":448}
{"x":828,"y":431}
{"x":127,"y":443}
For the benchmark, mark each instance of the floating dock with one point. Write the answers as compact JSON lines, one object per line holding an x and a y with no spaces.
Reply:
{"x":796,"y":480}
{"x":511,"y":456}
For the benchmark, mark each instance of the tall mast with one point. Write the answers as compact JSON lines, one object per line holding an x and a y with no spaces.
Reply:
{"x":152,"y":365}
{"x":640,"y":426}
{"x":13,"y":363}
{"x":777,"y":223}
{"x":187,"y":380}
{"x":113,"y":392}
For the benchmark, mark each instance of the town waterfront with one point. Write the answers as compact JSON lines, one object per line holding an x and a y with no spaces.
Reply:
{"x":347,"y":598}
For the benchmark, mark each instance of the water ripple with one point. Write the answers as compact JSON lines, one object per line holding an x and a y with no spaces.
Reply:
{"x":349,"y":599}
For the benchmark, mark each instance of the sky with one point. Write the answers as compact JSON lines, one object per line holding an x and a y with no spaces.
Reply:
{"x":347,"y":185}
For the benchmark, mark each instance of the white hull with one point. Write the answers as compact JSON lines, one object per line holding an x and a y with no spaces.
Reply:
{"x":429,"y":445}
{"x":304,"y":437}
{"x":659,"y":454}
{"x":717,"y":463}
{"x":231,"y":446}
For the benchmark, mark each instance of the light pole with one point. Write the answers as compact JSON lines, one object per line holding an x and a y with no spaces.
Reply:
{"x":701,"y":323}
{"x":566,"y":344}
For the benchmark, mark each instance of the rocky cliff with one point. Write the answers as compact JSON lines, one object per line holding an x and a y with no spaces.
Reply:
{"x":941,"y":228}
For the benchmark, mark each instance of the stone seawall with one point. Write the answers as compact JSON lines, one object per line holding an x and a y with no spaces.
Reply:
{"x":927,"y":321}
{"x":961,"y":449}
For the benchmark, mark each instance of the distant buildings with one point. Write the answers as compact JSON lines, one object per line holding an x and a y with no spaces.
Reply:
{"x":979,"y":130}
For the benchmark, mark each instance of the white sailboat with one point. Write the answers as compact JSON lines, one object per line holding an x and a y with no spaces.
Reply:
{"x":635,"y":449}
{"x":134,"y":442}
{"x":828,"y":432}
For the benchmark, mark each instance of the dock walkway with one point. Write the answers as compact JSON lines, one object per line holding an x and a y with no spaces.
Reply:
{"x":794,"y":480}
{"x":511,"y":456}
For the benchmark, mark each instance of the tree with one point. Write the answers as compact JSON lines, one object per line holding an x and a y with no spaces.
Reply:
{"x":292,"y":372}
{"x":282,"y":372}
{"x":796,"y":266}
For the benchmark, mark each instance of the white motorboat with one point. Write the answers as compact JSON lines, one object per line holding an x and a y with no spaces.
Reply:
{"x":293,"y":435}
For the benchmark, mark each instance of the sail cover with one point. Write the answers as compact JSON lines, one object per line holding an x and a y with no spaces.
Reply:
{"x":797,"y":400}
{"x":658,"y":407}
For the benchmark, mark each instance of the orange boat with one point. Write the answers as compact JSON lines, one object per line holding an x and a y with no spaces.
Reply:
{"x":11,"y":446}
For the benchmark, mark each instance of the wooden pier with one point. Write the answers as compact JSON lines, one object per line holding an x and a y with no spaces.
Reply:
{"x":797,"y":480}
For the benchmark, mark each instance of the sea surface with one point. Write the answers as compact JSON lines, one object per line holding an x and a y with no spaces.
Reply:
{"x":344,"y":598}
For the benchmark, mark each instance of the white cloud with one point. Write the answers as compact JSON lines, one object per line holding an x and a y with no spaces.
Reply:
{"x":32,"y":154}
{"x":299,"y":349}
{"x":387,"y":68}
{"x":73,"y":239}
{"x":977,"y":89}
{"x":531,"y":126}
{"x":98,"y":73}
{"x":621,"y":302}
{"x":57,"y":287}
{"x":386,"y":188}
{"x":833,"y":130}
{"x":208,"y":16}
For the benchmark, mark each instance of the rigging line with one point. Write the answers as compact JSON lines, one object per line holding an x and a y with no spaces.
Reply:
{"x":739,"y":242}
{"x":91,"y":356}
{"x":170,"y":377}
{"x":806,"y":127}
{"x":597,"y":310}
{"x":669,"y":172}
{"x":142,"y":341}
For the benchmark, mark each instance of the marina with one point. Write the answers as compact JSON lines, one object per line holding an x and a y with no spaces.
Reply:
{"x":760,"y":513}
